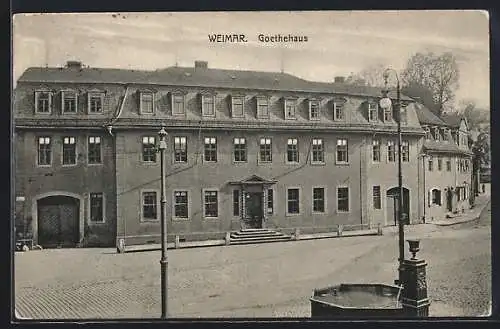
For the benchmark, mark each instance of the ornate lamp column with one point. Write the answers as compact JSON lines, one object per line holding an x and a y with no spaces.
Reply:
{"x":164,"y":260}
{"x":415,"y":301}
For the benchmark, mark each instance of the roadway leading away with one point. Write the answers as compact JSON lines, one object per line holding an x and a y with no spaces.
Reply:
{"x":266,"y":280}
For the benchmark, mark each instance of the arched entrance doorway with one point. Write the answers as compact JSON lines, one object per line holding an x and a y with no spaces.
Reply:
{"x":392,"y":205}
{"x":58,"y":221}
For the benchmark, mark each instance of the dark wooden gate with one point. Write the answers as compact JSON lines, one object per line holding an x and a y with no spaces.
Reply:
{"x":58,"y":221}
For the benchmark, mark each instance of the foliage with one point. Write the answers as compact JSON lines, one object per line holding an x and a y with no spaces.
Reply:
{"x":371,"y":76}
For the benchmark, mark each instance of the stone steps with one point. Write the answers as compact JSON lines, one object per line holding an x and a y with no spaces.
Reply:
{"x":247,"y":236}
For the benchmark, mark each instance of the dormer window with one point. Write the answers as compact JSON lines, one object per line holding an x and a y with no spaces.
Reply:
{"x":69,"y":101}
{"x":146,"y":102}
{"x":427,"y":133}
{"x":388,"y":114}
{"x":262,"y":107}
{"x":372,"y":112}
{"x":338,"y":111}
{"x":313,"y":109}
{"x":43,"y":101}
{"x":290,"y":108}
{"x":178,"y":104}
{"x":437,"y":135}
{"x":237,"y":106}
{"x":446,"y":137}
{"x":208,"y":105}
{"x":403,"y":113}
{"x":95,"y":101}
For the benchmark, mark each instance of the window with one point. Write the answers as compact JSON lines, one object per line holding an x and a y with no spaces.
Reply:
{"x":240,"y":150}
{"x":313,"y":110}
{"x":440,"y":164}
{"x":95,"y":102}
{"x":262,"y":107}
{"x":210,"y":149}
{"x":293,"y":203}
{"x":436,"y":197}
{"x":437,"y":135}
{"x":430,"y":164}
{"x":147,"y":102}
{"x":388,"y":114}
{"x":391,"y":151}
{"x":427,"y":133}
{"x":149,"y":206}
{"x":403,"y":112}
{"x":236,"y":202}
{"x":94,"y":150}
{"x":318,"y":151}
{"x":318,"y":199}
{"x":237,"y":106}
{"x":149,"y":149}
{"x":207,"y":105}
{"x":290,"y":108}
{"x":180,"y":149}
{"x":377,"y":201}
{"x":181,"y":204}
{"x":342,"y":151}
{"x":43,"y":101}
{"x":448,"y":164}
{"x":446,"y":137}
{"x":343,"y":199}
{"x":44,"y":151}
{"x":292,"y":150}
{"x":178,"y":104}
{"x":211,"y":204}
{"x":69,"y":101}
{"x":372,"y":112}
{"x":265,"y":150}
{"x":376,"y":150}
{"x":405,"y":151}
{"x":458,"y":165}
{"x":338,"y":111}
{"x":270,"y":201}
{"x":96,"y":208}
{"x":69,"y":151}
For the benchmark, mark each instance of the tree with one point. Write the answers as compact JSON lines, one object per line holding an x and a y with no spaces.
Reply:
{"x":371,"y":76}
{"x":439,"y":74}
{"x":474,"y":115}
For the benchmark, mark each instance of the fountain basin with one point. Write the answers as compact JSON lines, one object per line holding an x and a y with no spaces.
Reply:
{"x":357,"y":301}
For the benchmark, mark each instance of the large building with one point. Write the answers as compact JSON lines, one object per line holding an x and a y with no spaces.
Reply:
{"x":245,"y":149}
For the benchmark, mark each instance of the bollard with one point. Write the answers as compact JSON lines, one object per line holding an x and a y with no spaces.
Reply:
{"x":120,"y":248}
{"x":340,"y":227}
{"x":379,"y":229}
{"x":177,"y":242}
{"x":228,"y":238}
{"x":296,"y":235}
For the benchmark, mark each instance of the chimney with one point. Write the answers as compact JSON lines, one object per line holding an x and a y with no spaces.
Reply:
{"x":339,"y":79}
{"x":74,"y":65}
{"x":200,"y":64}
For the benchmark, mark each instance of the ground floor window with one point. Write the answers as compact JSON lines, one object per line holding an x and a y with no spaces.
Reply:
{"x":149,"y":206}
{"x":343,"y":199}
{"x":236,"y":202}
{"x":318,"y":199}
{"x":293,"y":203}
{"x":211,"y":204}
{"x":96,"y":208}
{"x":181,"y":204}
{"x":377,"y":202}
{"x":270,"y":201}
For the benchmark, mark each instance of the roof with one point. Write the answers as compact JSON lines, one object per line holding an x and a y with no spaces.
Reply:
{"x":440,"y":147}
{"x":427,"y":117}
{"x":452,"y":119}
{"x":199,"y":77}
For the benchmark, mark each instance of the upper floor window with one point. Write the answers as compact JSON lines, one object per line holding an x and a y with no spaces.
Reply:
{"x":430,"y":164}
{"x":147,"y":102}
{"x":240,"y":150}
{"x":94,"y":150}
{"x":342,"y":151}
{"x":262,"y":107}
{"x":313,"y":109}
{"x":44,"y":151}
{"x":440,"y":164}
{"x":178,"y":104}
{"x":318,"y":151}
{"x":338,"y":111}
{"x":448,"y":164}
{"x":180,"y":149}
{"x":208,"y":105}
{"x":372,"y":112}
{"x":265,"y":150}
{"x":43,"y":101}
{"x":391,"y":151}
{"x":149,"y":149}
{"x":376,"y":150}
{"x":405,"y":151}
{"x":237,"y":103}
{"x":292,"y":150}
{"x":210,"y":154}
{"x":69,"y":101}
{"x":69,"y":151}
{"x":290,"y":108}
{"x":95,"y":102}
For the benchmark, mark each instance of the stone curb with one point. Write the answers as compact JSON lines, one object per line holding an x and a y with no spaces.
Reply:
{"x":472,"y":218}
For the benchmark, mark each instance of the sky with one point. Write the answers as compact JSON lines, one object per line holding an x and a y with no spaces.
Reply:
{"x":339,"y":42}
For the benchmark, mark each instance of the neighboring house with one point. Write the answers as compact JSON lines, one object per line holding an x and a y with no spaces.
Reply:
{"x":446,"y":164}
{"x":245,"y":149}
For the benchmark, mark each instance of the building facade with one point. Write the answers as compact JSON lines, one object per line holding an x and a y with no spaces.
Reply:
{"x":245,"y":150}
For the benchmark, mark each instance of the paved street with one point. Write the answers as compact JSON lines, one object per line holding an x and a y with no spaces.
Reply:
{"x":266,"y":280}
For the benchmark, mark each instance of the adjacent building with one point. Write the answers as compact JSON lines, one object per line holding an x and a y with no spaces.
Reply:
{"x":246,"y":149}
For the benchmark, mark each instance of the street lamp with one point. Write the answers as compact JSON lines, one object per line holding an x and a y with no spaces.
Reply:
{"x":385,"y":104}
{"x":164,"y":260}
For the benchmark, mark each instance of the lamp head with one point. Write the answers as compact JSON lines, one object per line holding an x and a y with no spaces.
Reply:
{"x":385,"y":102}
{"x":162,"y":133}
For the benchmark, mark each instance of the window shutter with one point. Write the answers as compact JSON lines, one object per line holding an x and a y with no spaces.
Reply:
{"x":430,"y":198}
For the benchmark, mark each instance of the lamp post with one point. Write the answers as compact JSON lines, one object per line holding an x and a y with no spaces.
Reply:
{"x":385,"y":103}
{"x":164,"y":260}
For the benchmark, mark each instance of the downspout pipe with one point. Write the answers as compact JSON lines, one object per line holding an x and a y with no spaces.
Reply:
{"x":109,"y":125}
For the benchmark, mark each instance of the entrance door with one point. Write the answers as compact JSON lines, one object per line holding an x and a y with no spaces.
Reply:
{"x":392,"y":205}
{"x":253,"y":204}
{"x":58,"y":221}
{"x":449,"y":200}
